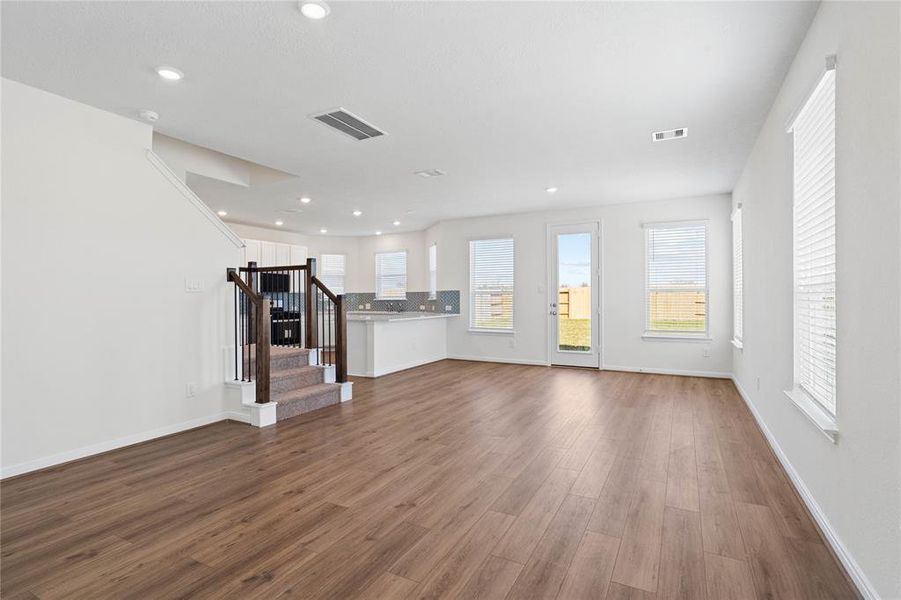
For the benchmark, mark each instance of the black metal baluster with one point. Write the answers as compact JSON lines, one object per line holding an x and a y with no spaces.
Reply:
{"x":237,"y":320}
{"x":329,"y":325}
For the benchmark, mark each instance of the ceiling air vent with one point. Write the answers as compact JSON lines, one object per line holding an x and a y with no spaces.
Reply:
{"x":430,"y":173}
{"x":348,"y":124}
{"x":672,"y":134}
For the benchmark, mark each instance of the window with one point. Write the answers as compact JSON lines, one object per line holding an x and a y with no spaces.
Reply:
{"x":676,"y":284}
{"x":737,"y":281}
{"x":491,"y":285}
{"x":331,"y":272}
{"x":391,"y":275}
{"x":433,"y":272}
{"x":813,"y":133}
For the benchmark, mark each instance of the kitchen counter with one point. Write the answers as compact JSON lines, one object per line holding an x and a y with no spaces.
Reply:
{"x":373,"y":315}
{"x":381,"y":342}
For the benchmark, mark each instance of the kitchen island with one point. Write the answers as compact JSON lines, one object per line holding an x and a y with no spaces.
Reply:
{"x":380,"y":342}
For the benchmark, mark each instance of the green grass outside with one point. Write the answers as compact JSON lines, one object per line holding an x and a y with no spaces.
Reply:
{"x":575,"y":334}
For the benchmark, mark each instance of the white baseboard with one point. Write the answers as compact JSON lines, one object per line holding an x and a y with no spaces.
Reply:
{"x":713,"y":374}
{"x":857,"y":575}
{"x":129,"y":440}
{"x":494,"y":359}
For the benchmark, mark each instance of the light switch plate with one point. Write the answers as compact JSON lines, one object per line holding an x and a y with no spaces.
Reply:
{"x":193,"y":286}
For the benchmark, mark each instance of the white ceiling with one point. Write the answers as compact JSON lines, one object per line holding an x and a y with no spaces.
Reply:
{"x":507,"y":98}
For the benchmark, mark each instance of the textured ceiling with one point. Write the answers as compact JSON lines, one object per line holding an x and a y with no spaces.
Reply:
{"x":506,"y":98}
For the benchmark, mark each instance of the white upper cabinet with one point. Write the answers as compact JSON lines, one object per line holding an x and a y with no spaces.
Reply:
{"x":273,"y":254}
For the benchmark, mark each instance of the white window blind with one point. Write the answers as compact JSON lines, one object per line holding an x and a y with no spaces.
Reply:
{"x":814,"y":244}
{"x":491,"y":284}
{"x":737,"y":279}
{"x":391,"y":275}
{"x":433,"y":272}
{"x":676,"y":284}
{"x":331,"y":272}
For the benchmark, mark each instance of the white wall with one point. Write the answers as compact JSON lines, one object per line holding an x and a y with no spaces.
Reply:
{"x":99,"y":334}
{"x":360,"y":252}
{"x":856,"y":483}
{"x":623,"y":273}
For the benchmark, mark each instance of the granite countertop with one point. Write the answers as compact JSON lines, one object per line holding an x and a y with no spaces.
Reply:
{"x":377,"y":315}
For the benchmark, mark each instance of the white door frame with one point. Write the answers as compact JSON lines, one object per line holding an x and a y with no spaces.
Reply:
{"x":597,"y":289}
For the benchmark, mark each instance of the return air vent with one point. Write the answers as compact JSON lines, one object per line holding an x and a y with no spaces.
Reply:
{"x":430,"y":173}
{"x":672,"y":134}
{"x":348,"y":124}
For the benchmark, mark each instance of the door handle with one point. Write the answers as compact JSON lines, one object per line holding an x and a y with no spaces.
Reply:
{"x":553,"y":312}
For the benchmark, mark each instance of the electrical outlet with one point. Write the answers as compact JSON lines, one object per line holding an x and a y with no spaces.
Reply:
{"x":422,"y":307}
{"x":448,"y":308}
{"x":368,"y":306}
{"x":360,"y":307}
{"x":512,"y":343}
{"x":706,"y":353}
{"x":190,"y":389}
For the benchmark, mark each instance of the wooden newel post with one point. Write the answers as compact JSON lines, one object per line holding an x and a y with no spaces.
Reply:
{"x":310,"y":309}
{"x":340,"y":341}
{"x":263,"y":344}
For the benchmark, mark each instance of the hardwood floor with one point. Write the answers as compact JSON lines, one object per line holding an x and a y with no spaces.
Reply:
{"x":452,"y":480}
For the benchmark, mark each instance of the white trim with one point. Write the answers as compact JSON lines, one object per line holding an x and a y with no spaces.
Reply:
{"x":672,"y":337}
{"x":680,"y":372}
{"x":811,"y":409}
{"x":191,"y":197}
{"x":492,"y":331}
{"x":494,"y":359}
{"x":737,"y":343}
{"x":857,"y":574}
{"x":129,"y":440}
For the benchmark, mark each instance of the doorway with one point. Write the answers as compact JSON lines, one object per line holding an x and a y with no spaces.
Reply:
{"x":573,"y":295}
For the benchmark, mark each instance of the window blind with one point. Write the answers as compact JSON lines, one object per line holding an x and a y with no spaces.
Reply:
{"x":676,"y":284}
{"x":491,"y":284}
{"x":331,"y":272}
{"x":737,"y":278}
{"x":814,"y":244}
{"x":433,"y":272}
{"x":391,"y":275}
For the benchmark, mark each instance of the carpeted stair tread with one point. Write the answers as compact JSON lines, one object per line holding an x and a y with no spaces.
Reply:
{"x":307,"y":399}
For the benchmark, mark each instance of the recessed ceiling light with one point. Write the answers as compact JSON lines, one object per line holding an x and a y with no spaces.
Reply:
{"x":222,"y":213}
{"x":550,"y":190}
{"x":357,"y":213}
{"x":396,"y":223}
{"x":323,"y":230}
{"x":305,"y":200}
{"x":314,"y":9}
{"x":279,"y":223}
{"x":149,"y":115}
{"x":378,"y":233}
{"x":170,"y":73}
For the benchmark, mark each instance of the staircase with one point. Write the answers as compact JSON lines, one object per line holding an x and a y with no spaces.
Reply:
{"x":296,"y":386}
{"x":290,"y":341}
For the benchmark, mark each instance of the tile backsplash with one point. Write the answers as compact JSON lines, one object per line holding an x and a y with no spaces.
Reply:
{"x":415,"y":300}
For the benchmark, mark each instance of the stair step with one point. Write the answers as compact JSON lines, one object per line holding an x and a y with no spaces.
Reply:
{"x":307,"y":399}
{"x":286,"y":381}
{"x":280,"y":358}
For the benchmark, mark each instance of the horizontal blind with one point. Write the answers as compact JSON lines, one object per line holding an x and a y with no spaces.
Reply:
{"x":737,"y":278}
{"x":676,"y":286}
{"x":433,"y":272}
{"x":814,"y":243}
{"x":391,"y":275}
{"x":331,"y":272}
{"x":491,"y":284}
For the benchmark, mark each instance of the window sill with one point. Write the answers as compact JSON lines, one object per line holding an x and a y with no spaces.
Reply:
{"x":737,"y":343}
{"x":492,"y":331}
{"x":675,"y":337}
{"x":824,"y":421}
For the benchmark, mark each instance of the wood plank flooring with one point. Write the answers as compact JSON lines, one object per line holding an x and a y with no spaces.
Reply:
{"x":451,"y":480}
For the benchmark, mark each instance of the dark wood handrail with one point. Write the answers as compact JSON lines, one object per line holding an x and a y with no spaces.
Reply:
{"x":262,"y":336}
{"x":233,"y":276}
{"x":325,"y":290}
{"x":267,"y":269}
